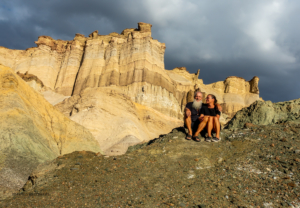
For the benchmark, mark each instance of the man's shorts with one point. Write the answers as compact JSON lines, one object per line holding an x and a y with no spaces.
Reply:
{"x":194,"y":125}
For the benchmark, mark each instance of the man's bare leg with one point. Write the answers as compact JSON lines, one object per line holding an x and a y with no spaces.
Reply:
{"x":216,"y":127}
{"x":188,"y":123}
{"x":201,"y":126}
{"x":209,"y":126}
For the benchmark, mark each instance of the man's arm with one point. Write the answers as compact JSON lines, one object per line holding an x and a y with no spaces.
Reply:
{"x":201,"y":117}
{"x":188,"y":112}
{"x":219,"y":107}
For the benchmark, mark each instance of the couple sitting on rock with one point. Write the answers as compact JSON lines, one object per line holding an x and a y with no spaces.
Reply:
{"x":198,"y":116}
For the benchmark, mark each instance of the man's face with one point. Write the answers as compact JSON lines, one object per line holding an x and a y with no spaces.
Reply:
{"x":198,"y":97}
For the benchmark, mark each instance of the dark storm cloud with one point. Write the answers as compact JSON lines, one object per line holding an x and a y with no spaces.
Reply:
{"x":222,"y":38}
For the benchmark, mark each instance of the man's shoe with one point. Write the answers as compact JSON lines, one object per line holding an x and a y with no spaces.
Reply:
{"x":215,"y":139}
{"x":196,"y":139}
{"x":188,"y":137}
{"x":208,"y":139}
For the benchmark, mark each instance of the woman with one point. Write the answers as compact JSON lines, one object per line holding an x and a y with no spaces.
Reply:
{"x":209,"y":115}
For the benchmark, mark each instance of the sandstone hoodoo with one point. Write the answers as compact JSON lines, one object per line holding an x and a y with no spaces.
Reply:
{"x":132,"y":61}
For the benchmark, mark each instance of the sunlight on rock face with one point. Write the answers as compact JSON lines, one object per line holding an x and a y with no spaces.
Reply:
{"x":8,"y":80}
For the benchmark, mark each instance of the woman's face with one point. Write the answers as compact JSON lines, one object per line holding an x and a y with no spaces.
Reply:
{"x":209,"y":99}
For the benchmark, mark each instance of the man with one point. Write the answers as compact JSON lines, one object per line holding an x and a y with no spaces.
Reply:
{"x":192,"y":114}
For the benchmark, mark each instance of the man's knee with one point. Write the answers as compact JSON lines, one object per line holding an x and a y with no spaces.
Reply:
{"x":206,"y":118}
{"x":187,"y":118}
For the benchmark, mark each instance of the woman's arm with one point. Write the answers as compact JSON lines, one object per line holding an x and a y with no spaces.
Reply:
{"x":218,"y":113}
{"x":219,"y":107}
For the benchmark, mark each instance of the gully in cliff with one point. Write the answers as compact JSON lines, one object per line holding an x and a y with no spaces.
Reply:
{"x":199,"y":115}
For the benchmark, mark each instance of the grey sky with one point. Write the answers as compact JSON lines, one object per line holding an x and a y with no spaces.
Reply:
{"x":222,"y":38}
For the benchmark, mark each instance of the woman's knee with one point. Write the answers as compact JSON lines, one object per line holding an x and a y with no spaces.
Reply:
{"x":216,"y":120}
{"x":210,"y":119}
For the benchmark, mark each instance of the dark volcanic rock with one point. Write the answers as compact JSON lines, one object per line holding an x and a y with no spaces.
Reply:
{"x":264,"y":113}
{"x":249,"y":168}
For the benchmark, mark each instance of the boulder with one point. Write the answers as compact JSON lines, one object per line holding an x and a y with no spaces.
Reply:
{"x":265,"y":113}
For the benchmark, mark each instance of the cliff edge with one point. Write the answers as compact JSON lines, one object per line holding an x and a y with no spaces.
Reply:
{"x":133,"y":61}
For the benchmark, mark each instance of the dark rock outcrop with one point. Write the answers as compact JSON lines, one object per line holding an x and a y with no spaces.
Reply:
{"x":264,"y":113}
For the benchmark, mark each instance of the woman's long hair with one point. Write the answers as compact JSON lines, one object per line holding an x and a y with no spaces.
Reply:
{"x":213,"y":97}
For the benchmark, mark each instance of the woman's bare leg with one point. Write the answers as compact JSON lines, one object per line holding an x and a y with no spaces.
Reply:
{"x":201,"y":126}
{"x":209,"y":126}
{"x":216,"y":127}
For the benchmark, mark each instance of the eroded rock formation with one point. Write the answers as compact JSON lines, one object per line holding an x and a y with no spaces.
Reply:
{"x":115,"y":121}
{"x":235,"y":93}
{"x":133,"y":61}
{"x":32,"y":131}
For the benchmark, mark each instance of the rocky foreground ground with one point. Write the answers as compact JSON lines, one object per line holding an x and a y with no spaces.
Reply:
{"x":255,"y":166}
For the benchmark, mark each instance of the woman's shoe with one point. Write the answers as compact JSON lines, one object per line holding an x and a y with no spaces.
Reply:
{"x":215,"y":139}
{"x":208,"y":139}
